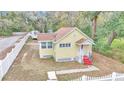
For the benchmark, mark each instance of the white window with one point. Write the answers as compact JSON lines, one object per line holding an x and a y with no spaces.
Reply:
{"x":65,"y":45}
{"x":68,"y":45}
{"x":43,"y":45}
{"x":60,"y":45}
{"x":46,"y":45}
{"x":49,"y":44}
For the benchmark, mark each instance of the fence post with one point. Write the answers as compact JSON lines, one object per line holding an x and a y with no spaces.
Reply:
{"x":84,"y":78}
{"x":113,"y":76}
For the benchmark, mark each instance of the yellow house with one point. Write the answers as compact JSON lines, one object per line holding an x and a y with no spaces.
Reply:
{"x":66,"y":44}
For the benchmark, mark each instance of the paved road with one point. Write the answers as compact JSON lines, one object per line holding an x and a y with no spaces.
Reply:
{"x":6,"y":42}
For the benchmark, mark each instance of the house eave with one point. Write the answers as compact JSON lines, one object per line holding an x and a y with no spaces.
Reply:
{"x":45,"y":40}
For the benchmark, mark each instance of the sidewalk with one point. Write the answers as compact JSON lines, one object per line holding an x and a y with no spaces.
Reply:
{"x":91,"y":68}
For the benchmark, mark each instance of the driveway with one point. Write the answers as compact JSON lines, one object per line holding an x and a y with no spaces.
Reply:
{"x":7,"y":42}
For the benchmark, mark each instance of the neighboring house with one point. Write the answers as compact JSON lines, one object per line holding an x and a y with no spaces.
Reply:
{"x":66,"y":44}
{"x":34,"y":34}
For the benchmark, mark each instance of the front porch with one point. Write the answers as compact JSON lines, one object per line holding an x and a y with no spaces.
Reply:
{"x":85,"y":49}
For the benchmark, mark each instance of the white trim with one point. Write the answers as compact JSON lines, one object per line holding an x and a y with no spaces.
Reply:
{"x":45,"y":41}
{"x":86,"y":42}
{"x":45,"y":56}
{"x":69,"y":59}
{"x":75,"y":28}
{"x":79,"y":55}
{"x":85,"y":35}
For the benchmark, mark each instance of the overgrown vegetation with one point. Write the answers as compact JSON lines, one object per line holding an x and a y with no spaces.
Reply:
{"x":115,"y":51}
{"x":106,"y":42}
{"x":13,"y":22}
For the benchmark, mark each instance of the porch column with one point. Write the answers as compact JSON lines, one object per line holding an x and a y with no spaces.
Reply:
{"x":80,"y":55}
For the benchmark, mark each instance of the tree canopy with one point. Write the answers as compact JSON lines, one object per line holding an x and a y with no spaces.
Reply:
{"x":106,"y":22}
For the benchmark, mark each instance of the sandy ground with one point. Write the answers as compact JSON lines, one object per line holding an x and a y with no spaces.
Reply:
{"x":28,"y":65}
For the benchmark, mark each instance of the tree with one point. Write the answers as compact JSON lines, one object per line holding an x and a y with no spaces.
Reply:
{"x":94,"y":23}
{"x":111,"y":37}
{"x":112,"y":26}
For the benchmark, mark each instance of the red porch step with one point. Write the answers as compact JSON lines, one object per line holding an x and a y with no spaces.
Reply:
{"x":86,"y":60}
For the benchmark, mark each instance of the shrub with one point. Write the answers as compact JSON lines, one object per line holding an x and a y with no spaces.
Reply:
{"x":5,"y":33}
{"x":102,"y":47}
{"x":118,"y":43}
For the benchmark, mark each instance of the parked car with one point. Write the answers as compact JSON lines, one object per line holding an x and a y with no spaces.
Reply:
{"x":34,"y":34}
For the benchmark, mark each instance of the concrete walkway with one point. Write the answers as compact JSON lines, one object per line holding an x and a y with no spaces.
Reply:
{"x":90,"y":68}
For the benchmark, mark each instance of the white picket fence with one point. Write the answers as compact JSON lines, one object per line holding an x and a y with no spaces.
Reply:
{"x":6,"y":63}
{"x":112,"y":77}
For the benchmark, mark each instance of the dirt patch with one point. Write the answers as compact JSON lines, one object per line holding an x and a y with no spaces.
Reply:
{"x":5,"y":51}
{"x":105,"y":64}
{"x":108,"y":64}
{"x":29,"y":66}
{"x":19,"y":39}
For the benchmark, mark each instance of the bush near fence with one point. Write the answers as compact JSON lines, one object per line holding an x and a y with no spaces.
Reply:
{"x":11,"y":56}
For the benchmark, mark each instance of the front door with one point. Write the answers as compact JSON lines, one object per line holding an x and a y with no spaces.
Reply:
{"x":80,"y":53}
